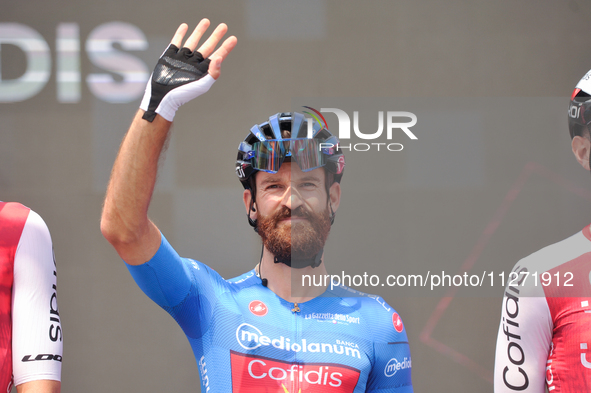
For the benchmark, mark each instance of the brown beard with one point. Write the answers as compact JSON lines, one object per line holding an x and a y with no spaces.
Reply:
{"x":300,"y":240}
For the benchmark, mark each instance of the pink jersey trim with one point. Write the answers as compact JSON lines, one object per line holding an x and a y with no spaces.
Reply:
{"x":13,"y":217}
{"x":587,"y":232}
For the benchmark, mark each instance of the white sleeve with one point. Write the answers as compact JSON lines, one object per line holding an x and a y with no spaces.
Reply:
{"x":36,"y":327}
{"x":524,"y":340}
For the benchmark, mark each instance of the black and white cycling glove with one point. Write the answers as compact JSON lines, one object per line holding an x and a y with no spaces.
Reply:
{"x":179,"y":76}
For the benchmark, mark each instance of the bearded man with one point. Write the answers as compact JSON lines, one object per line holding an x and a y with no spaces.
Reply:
{"x":256,"y":332}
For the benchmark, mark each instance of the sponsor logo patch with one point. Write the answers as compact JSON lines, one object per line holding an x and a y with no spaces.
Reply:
{"x":397,"y":322}
{"x":394,"y":365}
{"x":258,"y":308}
{"x":255,"y":374}
{"x":333,"y":318}
{"x":250,"y":337}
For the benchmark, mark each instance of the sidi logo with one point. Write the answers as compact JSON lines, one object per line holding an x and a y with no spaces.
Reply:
{"x":106,"y":47}
{"x":396,"y":123}
{"x":203,"y":373}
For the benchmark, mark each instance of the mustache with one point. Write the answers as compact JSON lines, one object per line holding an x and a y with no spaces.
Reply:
{"x":286,"y":212}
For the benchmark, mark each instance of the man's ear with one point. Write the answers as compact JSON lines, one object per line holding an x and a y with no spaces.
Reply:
{"x":581,"y":147}
{"x":334,"y":196}
{"x":247,"y":197}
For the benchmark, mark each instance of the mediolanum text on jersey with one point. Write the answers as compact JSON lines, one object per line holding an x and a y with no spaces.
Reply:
{"x":250,"y":337}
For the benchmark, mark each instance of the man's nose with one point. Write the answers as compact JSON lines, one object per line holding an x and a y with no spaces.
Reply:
{"x":292,"y":199}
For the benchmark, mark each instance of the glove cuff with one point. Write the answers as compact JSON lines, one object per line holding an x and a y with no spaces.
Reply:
{"x":181,"y":95}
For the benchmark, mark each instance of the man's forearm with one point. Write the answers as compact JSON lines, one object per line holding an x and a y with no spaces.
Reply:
{"x":182,"y":74}
{"x":125,"y":221}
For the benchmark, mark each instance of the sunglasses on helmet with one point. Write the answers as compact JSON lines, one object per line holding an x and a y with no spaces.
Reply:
{"x":268,"y":155}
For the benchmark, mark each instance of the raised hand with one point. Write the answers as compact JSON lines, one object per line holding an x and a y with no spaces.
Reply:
{"x":183,"y":74}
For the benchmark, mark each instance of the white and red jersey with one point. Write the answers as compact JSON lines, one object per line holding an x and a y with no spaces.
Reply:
{"x":30,"y":326}
{"x":545,"y":330}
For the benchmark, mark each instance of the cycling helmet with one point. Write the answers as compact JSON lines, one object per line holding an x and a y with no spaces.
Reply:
{"x":265,"y":148}
{"x":579,"y":109}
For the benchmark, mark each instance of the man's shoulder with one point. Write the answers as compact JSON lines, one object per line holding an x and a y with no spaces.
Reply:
{"x":244,"y":281}
{"x":15,"y":205}
{"x":371,"y":307}
{"x":350,"y":294}
{"x":558,"y":253}
{"x":247,"y":278}
{"x":15,"y":218}
{"x":14,"y":211}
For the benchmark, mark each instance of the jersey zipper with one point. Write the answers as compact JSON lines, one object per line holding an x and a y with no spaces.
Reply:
{"x":296,"y":385}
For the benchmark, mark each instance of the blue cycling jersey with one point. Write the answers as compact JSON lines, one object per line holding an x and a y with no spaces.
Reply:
{"x":247,"y":339}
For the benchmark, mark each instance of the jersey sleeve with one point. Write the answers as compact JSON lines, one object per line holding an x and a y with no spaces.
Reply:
{"x":524,"y":339}
{"x":391,"y":370}
{"x":37,"y":334}
{"x":185,"y":288}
